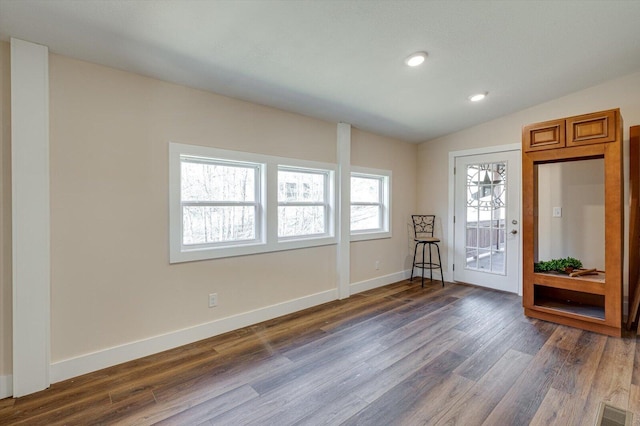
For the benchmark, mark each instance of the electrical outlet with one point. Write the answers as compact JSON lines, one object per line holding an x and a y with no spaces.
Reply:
{"x":377,"y":265}
{"x":213,"y":300}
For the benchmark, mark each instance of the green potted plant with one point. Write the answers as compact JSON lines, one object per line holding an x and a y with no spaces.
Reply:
{"x":566,"y":265}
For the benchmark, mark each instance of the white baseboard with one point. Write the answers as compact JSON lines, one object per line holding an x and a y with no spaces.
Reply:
{"x":365,"y":285}
{"x":6,"y":386}
{"x":87,"y":363}
{"x":83,"y":364}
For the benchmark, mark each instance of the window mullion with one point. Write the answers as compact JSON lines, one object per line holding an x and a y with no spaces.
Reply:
{"x":300,"y":204}
{"x":219,"y":203}
{"x":365,"y":203}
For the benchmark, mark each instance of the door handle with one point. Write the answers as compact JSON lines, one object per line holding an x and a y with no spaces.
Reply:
{"x":514,"y":231}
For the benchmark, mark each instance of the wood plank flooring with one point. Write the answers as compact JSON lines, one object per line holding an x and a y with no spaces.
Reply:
{"x":396,"y":355}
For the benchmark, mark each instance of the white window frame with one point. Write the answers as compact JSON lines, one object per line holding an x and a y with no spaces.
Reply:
{"x":384,"y":176}
{"x":266,"y":215}
{"x":326,"y":204}
{"x":257,"y":204}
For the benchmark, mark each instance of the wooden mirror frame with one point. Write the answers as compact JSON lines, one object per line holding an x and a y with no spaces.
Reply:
{"x":596,"y":135}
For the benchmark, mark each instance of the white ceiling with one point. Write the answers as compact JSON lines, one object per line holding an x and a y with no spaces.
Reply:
{"x":343,"y":60}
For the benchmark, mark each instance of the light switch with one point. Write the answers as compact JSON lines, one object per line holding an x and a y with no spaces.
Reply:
{"x":557,"y":212}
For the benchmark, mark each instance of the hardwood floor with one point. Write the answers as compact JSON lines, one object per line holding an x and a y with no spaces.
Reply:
{"x":397,"y":355}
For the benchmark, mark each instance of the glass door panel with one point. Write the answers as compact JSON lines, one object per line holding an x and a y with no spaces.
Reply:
{"x":485,"y":218}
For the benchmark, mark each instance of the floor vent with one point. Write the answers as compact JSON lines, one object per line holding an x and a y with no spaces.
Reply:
{"x":612,"y":416}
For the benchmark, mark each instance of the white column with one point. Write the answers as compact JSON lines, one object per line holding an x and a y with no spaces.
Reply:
{"x":344,"y":209}
{"x":31,"y":215}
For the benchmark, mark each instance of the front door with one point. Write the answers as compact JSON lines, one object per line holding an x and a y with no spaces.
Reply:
{"x":486,"y":221}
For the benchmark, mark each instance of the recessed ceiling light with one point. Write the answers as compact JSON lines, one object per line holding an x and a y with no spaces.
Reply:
{"x":478,"y":97}
{"x":416,"y":59}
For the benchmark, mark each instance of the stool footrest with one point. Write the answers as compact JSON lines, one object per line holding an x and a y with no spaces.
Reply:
{"x":427,"y":265}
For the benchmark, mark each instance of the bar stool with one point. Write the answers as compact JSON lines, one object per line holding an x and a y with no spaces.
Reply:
{"x":423,"y":234}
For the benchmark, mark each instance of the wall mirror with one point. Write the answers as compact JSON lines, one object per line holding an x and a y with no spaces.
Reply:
{"x":571,"y":212}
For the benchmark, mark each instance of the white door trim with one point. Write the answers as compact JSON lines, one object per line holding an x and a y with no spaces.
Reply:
{"x":451,"y":209}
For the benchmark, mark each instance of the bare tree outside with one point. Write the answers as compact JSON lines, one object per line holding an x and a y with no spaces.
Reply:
{"x":301,"y":203}
{"x":218,"y":202}
{"x":366,"y":203}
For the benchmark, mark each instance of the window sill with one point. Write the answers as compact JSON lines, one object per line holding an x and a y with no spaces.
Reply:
{"x":247,"y":249}
{"x":379,"y":235}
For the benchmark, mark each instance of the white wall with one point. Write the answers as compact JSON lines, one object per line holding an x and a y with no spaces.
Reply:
{"x":114,"y":295}
{"x":392,"y":254}
{"x":623,"y":93}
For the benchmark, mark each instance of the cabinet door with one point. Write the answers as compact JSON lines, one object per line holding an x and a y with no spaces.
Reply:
{"x":546,"y":135}
{"x":597,"y":127}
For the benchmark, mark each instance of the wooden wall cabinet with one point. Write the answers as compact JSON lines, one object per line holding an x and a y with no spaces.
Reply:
{"x":542,"y":136}
{"x":598,"y":127}
{"x":591,"y":302}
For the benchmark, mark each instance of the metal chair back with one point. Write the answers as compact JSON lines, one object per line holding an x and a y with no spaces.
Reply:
{"x":423,"y":225}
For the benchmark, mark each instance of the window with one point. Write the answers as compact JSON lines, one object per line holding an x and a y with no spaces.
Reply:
{"x":303,"y":202}
{"x":220,"y":201}
{"x":370,"y":204}
{"x":227,"y":203}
